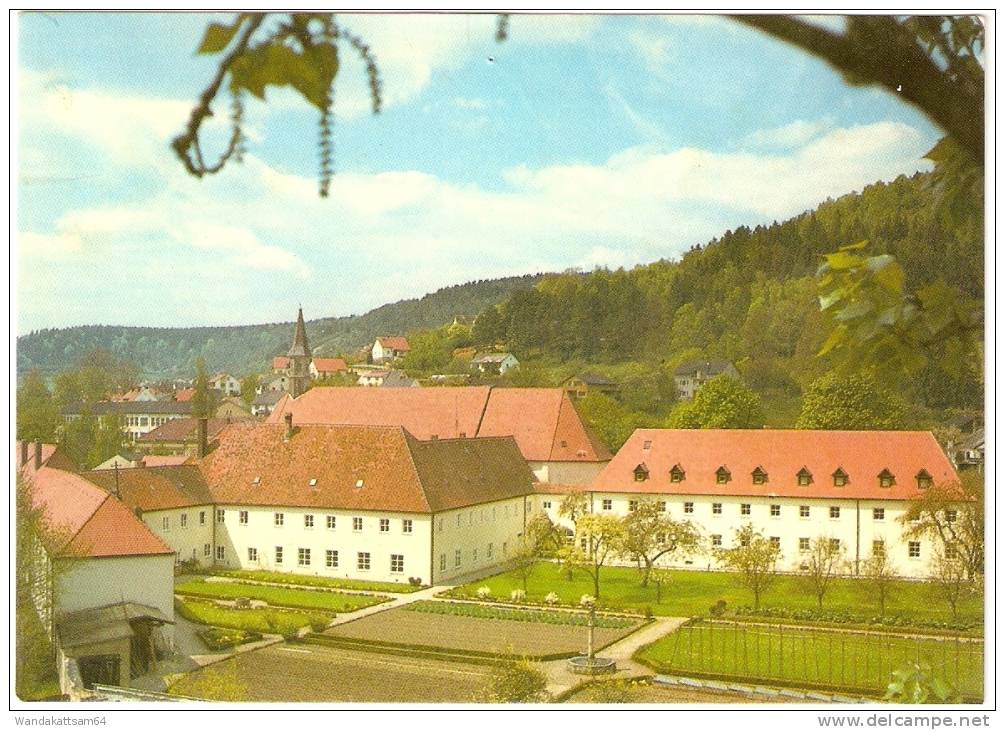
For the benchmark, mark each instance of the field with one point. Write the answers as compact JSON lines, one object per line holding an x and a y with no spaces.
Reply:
{"x":276,"y":596}
{"x":324,"y":674}
{"x":469,"y":633}
{"x":317,"y":581}
{"x":804,"y":657}
{"x":262,"y":620}
{"x":691,"y":593}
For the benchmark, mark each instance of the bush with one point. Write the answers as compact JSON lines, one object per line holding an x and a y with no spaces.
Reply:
{"x":648,"y":613}
{"x":718,"y":608}
{"x":518,"y":596}
{"x":517,"y":682}
{"x":838,"y":616}
{"x":217,"y":639}
{"x":552,"y":599}
{"x":484,"y":593}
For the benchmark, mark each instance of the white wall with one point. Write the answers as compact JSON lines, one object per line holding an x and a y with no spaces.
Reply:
{"x":567,"y":472}
{"x":486,"y":535}
{"x":188,"y":541}
{"x":262,"y":534}
{"x":95,"y":582}
{"x":854,"y":525}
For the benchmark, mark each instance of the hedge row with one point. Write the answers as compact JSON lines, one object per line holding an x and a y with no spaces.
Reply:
{"x":560,"y":618}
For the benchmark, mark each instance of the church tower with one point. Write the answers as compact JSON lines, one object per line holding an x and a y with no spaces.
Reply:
{"x":300,"y":359}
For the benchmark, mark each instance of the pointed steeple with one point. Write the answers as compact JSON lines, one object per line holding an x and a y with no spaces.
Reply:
{"x":300,"y":348}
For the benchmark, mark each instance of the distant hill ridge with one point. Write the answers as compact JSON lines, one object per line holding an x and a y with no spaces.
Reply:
{"x":164,"y":352}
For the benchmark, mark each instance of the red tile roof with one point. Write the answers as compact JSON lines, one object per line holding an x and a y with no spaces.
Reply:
{"x":165,"y":459}
{"x":377,"y":468}
{"x":183,"y":429}
{"x":330,"y":365}
{"x":280,"y":362}
{"x":395,"y":342}
{"x":543,"y":421}
{"x":183,"y":395}
{"x":155,"y":488}
{"x":86,"y":521}
{"x":782,"y":454}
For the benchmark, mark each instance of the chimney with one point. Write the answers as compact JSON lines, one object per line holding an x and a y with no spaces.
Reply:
{"x":288,"y":418}
{"x":24,"y":452}
{"x":201,"y":430}
{"x":38,"y":455}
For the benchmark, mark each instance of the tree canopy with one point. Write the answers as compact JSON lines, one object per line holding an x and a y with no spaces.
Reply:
{"x":852,"y":403}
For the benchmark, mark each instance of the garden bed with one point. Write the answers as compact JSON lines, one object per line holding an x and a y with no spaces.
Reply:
{"x":277,"y":596}
{"x":314,"y":581}
{"x":533,"y":615}
{"x":262,"y":620}
{"x":218,"y":639}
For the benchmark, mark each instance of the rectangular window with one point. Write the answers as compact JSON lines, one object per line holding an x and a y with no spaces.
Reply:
{"x":385,"y":524}
{"x":776,"y":510}
{"x":397,"y":563}
{"x":278,"y":519}
{"x":914,"y":549}
{"x":744,"y":509}
{"x":804,"y":544}
{"x":716,"y":540}
{"x":252,"y":555}
{"x":474,"y":555}
{"x":221,"y":553}
{"x":835,"y":513}
{"x":439,"y":525}
{"x":279,"y":555}
{"x":166,"y":523}
{"x":878,"y":547}
{"x":406,"y":526}
{"x":357,"y":524}
{"x":606,"y":505}
{"x":776,"y":542}
{"x":488,"y":551}
{"x":661,"y":506}
{"x":458,"y":519}
{"x":878,"y":514}
{"x":804,"y":510}
{"x":331,"y":558}
{"x":309,"y":522}
{"x":950,"y":515}
{"x":220,"y":515}
{"x":443,"y":562}
{"x":184,"y":521}
{"x":330,"y":522}
{"x":546,"y":504}
{"x":362,"y":561}
{"x":206,"y":550}
{"x":835,"y":543}
{"x":716,"y":508}
{"x":242,"y":517}
{"x":202,"y":518}
{"x":457,"y":558}
{"x":303,"y":556}
{"x":689,"y":508}
{"x":633,"y":504}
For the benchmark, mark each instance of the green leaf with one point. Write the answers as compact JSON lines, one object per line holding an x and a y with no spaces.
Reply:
{"x":887,"y":273}
{"x":842,"y":260}
{"x":274,"y":64}
{"x":218,"y":36}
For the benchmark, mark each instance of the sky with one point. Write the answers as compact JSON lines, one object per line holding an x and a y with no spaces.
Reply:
{"x":581,"y":141}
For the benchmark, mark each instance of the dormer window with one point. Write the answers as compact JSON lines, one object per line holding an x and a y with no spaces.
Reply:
{"x":924,"y":480}
{"x":359,"y":484}
{"x":676,"y":474}
{"x":722,"y":475}
{"x":804,"y":478}
{"x":647,"y":445}
{"x":759,"y":476}
{"x":256,"y":481}
{"x":840,"y":477}
{"x":641,"y":473}
{"x":886,"y":479}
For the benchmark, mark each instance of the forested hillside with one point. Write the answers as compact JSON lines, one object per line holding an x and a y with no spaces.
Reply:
{"x":170,"y":352}
{"x":751,"y":297}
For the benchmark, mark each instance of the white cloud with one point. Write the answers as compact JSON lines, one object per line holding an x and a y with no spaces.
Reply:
{"x":789,"y":135}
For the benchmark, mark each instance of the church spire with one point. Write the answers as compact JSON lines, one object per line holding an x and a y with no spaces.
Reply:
{"x":300,"y":348}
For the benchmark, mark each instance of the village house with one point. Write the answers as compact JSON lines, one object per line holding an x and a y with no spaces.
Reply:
{"x":226,"y":384}
{"x":494,"y":363}
{"x":265,"y":402}
{"x":553,"y":439}
{"x":397,"y":379}
{"x":105,"y":592}
{"x":371,"y":378}
{"x":690,"y":376}
{"x":327,"y":367}
{"x":387,"y":349}
{"x":181,"y":436}
{"x":794,"y":486}
{"x":579,"y":386}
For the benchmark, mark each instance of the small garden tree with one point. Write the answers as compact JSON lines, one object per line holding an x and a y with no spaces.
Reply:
{"x":950,"y":575}
{"x":952,"y":515}
{"x":597,"y":541}
{"x":540,"y":538}
{"x":518,"y":681}
{"x":878,"y":578}
{"x":824,"y":562}
{"x":754,"y":558}
{"x":650,"y":534}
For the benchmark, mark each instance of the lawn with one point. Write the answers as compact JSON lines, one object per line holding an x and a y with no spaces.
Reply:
{"x":262,"y":620}
{"x":692,"y":593}
{"x":310,"y":673}
{"x":276,"y":596}
{"x":316,"y":581}
{"x":558,"y":618}
{"x":475,"y":634}
{"x":811,"y":657}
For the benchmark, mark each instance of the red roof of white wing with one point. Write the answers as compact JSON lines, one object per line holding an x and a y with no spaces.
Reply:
{"x":394,"y":343}
{"x":782,"y":454}
{"x":87,"y":521}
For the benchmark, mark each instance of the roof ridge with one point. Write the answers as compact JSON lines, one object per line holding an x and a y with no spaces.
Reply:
{"x":558,"y":419}
{"x":409,"y":439}
{"x":485,"y":407}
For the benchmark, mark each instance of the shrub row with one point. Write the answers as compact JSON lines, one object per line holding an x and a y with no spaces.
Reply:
{"x":561,"y":618}
{"x":217,"y":638}
{"x":262,"y":620}
{"x":315,"y":581}
{"x":837,"y":616}
{"x":279,"y":597}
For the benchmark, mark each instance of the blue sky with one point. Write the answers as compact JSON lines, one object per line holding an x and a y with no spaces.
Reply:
{"x":582,"y":141}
